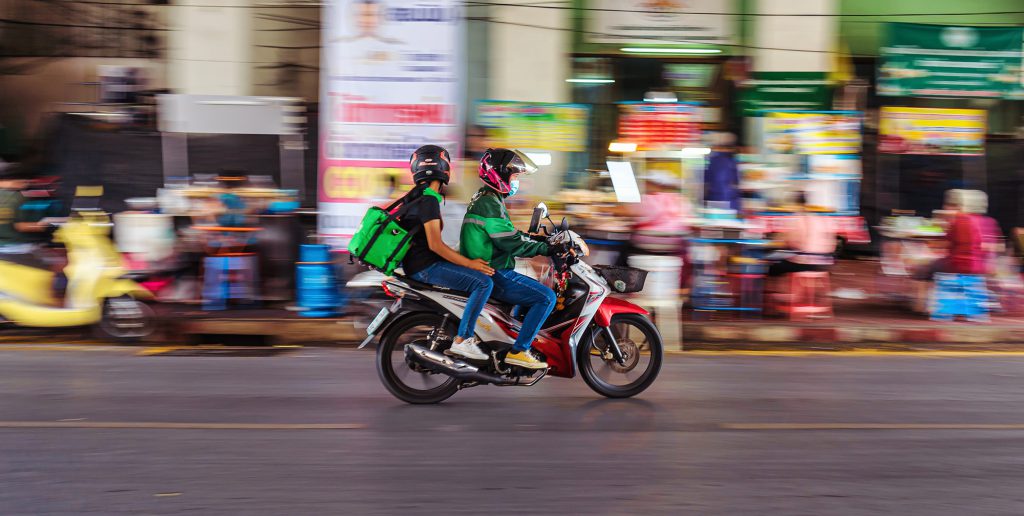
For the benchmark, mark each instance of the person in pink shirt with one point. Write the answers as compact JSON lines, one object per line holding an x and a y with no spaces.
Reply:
{"x":810,"y":241}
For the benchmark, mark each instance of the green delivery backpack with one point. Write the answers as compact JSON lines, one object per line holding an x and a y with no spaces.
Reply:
{"x":379,"y":242}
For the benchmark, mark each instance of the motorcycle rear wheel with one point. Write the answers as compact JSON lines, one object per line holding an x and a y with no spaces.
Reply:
{"x":399,"y":379}
{"x":639,"y":340}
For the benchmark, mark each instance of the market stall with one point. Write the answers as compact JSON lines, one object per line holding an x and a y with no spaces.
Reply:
{"x":814,"y":153}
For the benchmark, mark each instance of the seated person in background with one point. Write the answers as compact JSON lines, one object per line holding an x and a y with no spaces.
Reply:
{"x":976,"y":205}
{"x":810,"y":242}
{"x":966,"y":238}
{"x":15,"y":232}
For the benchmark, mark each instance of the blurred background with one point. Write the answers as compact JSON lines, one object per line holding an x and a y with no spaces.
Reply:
{"x":689,"y":136}
{"x":793,"y":176}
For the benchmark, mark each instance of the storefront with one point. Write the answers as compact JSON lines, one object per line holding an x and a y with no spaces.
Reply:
{"x":658,"y":53}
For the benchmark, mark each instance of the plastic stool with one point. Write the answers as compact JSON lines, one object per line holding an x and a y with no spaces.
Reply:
{"x":228,"y":277}
{"x":809,"y":295}
{"x":749,"y":292}
{"x":959,"y":294}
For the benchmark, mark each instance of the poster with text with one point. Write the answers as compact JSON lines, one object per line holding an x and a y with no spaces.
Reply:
{"x":535,"y":126}
{"x":389,"y":83}
{"x":659,"y":126}
{"x":653,"y":22}
{"x":940,"y":132}
{"x":808,"y":132}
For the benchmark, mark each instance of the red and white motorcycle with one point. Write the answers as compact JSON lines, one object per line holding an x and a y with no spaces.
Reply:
{"x":610,"y":341}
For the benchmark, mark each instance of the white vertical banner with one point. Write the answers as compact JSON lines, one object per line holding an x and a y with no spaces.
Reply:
{"x":390,"y":81}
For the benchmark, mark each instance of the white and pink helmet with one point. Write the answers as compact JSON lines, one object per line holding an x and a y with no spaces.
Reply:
{"x":498,"y":165}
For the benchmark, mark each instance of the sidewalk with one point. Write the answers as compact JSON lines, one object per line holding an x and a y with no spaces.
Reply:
{"x":871,"y":323}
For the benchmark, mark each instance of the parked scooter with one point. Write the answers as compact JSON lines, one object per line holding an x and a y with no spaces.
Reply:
{"x":610,"y":341}
{"x":98,"y":294}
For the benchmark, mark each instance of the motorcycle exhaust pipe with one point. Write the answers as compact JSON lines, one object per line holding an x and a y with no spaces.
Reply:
{"x":443,"y":364}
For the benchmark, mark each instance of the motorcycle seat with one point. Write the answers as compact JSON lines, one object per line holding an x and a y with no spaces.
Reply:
{"x":419,"y":285}
{"x":504,"y":307}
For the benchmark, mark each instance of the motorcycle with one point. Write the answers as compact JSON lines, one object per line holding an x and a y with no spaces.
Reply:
{"x":610,"y":342}
{"x":98,"y":292}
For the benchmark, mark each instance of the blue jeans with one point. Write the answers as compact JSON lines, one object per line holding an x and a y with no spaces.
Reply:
{"x":512,"y":287}
{"x":478,"y":284}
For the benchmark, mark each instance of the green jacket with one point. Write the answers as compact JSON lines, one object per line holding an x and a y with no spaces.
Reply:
{"x":488,"y":233}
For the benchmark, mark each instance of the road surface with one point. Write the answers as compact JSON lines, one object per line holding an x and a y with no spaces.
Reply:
{"x":105,"y":431}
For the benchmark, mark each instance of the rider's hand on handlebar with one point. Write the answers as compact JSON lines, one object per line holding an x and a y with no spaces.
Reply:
{"x":480,"y":265}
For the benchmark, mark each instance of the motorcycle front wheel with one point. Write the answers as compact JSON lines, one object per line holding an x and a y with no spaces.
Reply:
{"x":126,"y":319}
{"x":642,"y":353}
{"x":401,"y":380}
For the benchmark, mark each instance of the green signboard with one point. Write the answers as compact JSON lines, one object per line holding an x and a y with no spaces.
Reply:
{"x":950,"y":61}
{"x":785,"y":91}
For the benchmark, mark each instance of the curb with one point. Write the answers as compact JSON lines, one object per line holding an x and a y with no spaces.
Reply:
{"x":754,"y":336}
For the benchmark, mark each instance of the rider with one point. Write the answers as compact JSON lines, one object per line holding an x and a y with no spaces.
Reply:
{"x":488,"y":233}
{"x":430,"y":260}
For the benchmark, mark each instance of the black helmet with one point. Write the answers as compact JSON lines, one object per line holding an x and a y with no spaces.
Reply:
{"x":429,"y":163}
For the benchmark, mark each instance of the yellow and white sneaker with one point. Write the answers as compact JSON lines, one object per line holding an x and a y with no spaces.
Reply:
{"x":525,"y":359}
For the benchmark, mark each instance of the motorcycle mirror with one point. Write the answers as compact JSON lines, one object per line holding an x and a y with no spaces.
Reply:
{"x":543,"y":210}
{"x":538,"y":213}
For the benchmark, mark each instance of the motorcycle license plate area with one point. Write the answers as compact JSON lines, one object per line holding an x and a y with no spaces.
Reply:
{"x":382,"y":316}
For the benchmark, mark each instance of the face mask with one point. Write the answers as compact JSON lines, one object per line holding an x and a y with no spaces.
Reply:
{"x":513,"y":187}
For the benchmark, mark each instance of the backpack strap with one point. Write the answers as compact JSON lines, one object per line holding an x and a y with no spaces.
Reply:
{"x":395,"y":215}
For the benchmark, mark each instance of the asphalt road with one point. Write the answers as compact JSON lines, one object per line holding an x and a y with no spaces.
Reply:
{"x":313,"y":432}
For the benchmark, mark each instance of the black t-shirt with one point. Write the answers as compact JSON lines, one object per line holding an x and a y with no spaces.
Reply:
{"x":420,"y":256}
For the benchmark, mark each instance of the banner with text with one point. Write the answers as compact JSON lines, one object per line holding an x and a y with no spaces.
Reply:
{"x":941,"y":132}
{"x":535,"y":126}
{"x":389,"y":84}
{"x":660,"y":22}
{"x":828,"y":132}
{"x":948,"y":61}
{"x":659,"y":126}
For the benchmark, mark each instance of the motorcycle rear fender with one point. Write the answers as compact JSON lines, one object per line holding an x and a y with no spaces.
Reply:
{"x":410,"y":307}
{"x":612,"y":306}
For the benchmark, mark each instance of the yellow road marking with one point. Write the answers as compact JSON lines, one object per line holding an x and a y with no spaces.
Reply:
{"x":871,"y":426}
{"x":159,"y":425}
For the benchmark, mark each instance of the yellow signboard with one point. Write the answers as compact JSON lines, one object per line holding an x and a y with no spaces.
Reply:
{"x":808,"y":132}
{"x":942,"y":132}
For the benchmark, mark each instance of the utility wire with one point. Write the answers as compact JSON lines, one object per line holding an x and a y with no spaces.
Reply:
{"x":810,"y":15}
{"x":71,"y":25}
{"x":545,"y":5}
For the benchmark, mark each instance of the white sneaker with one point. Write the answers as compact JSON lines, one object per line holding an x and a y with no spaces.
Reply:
{"x":470,"y":349}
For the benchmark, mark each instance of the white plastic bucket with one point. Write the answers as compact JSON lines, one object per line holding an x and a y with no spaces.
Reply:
{"x":662,"y":275}
{"x":149,"y":235}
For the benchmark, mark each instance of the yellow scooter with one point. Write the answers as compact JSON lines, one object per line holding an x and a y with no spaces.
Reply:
{"x":98,"y":293}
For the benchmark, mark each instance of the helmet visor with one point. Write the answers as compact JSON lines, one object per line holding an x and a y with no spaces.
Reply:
{"x":520,"y":163}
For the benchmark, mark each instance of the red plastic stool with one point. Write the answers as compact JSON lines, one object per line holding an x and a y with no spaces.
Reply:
{"x":809,"y":296}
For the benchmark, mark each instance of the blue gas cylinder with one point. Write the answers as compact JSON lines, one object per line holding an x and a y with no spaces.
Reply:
{"x":314,"y":278}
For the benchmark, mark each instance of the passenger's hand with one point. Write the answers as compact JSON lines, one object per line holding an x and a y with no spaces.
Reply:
{"x":480,"y":265}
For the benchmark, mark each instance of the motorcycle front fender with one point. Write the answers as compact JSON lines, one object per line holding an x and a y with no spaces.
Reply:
{"x":124,"y":287}
{"x":612,"y":306}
